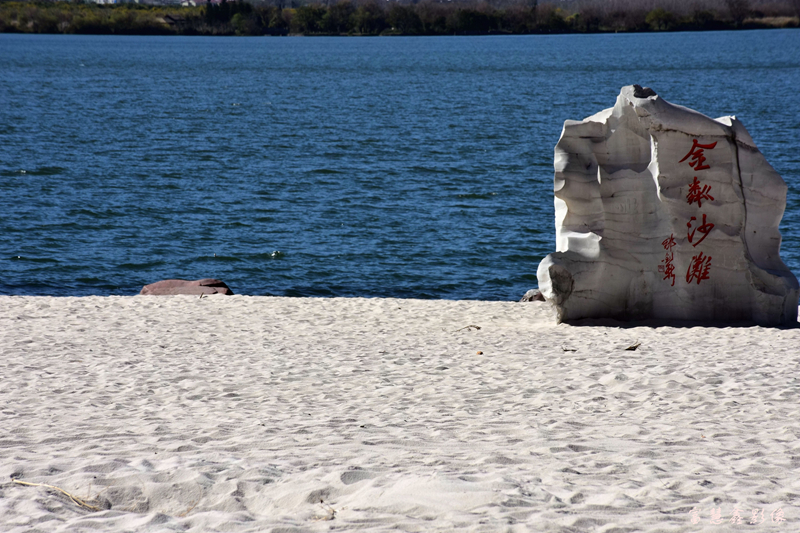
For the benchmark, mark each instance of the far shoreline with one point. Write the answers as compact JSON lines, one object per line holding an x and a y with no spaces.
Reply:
{"x":366,"y":18}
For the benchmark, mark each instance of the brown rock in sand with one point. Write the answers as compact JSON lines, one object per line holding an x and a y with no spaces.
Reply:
{"x":533,"y":295}
{"x":182,"y":286}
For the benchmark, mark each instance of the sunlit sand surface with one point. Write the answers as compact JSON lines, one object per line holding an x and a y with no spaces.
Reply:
{"x":291,"y":415}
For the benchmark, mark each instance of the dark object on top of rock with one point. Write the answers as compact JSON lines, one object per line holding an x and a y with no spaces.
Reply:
{"x":533,"y":295}
{"x":643,"y":92}
{"x":182,"y":286}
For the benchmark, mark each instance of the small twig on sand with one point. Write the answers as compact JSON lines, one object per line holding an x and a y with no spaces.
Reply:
{"x":633,"y":346}
{"x":564,"y":348}
{"x":468,"y":328}
{"x":329,"y":509}
{"x":75,"y":499}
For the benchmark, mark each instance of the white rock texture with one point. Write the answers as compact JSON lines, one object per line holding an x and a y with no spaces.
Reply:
{"x":663,"y":213}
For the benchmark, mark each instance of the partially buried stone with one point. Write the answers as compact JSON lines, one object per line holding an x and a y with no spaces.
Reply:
{"x":182,"y":286}
{"x":663,"y":213}
{"x":533,"y":295}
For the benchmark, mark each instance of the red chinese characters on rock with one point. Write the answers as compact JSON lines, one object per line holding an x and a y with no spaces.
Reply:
{"x":668,"y":269}
{"x":696,"y":194}
{"x":697,"y":155}
{"x":703,"y":228}
{"x":700,"y":266}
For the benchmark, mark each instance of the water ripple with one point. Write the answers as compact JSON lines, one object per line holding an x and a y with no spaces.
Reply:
{"x":332,"y":167}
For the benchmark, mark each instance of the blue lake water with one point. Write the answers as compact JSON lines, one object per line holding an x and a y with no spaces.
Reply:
{"x":394,"y":167}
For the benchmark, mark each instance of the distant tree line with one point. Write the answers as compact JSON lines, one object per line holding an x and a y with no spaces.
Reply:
{"x":426,"y":17}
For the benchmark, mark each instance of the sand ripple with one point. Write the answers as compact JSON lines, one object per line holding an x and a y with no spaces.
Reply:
{"x":288,"y":415}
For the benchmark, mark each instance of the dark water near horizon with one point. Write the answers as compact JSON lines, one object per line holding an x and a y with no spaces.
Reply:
{"x":394,"y":167}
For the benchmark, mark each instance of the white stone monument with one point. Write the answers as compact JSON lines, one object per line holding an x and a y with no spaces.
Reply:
{"x":663,"y":213}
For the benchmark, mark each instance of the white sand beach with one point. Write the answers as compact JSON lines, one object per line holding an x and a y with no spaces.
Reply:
{"x":237,"y":413}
